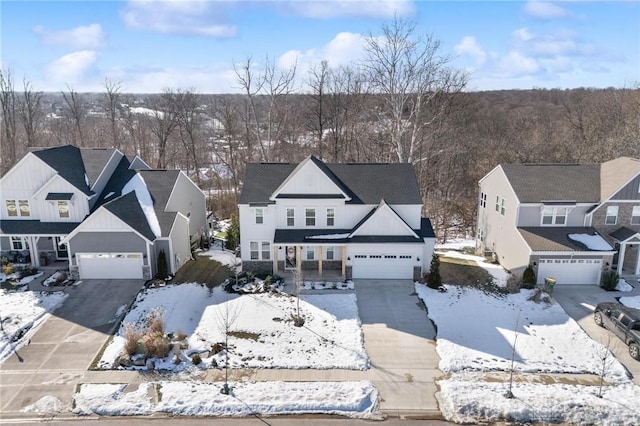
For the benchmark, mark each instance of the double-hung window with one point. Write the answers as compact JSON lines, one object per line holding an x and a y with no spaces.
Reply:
{"x":331,"y":216}
{"x":483,"y":200}
{"x":612,"y":215}
{"x":291,"y":216}
{"x":259,"y":250}
{"x":635,"y":215}
{"x":254,"y":250}
{"x":497,"y":203}
{"x":266,"y":250}
{"x":17,"y":243}
{"x":554,"y":215}
{"x":310,"y":217}
{"x":18,"y":208}
{"x":330,"y":253}
{"x":502,"y":207}
{"x":310,"y":252}
{"x":260,"y":215}
{"x":63,"y":209}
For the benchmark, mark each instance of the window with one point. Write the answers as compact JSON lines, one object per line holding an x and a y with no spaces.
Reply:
{"x":497,"y":203}
{"x":15,"y":207}
{"x":481,"y":235}
{"x":502,"y":207}
{"x":63,"y":209}
{"x":331,"y":216}
{"x":483,"y":200}
{"x":635,"y":215}
{"x":259,"y":215}
{"x":330,"y":253}
{"x":291,"y":217}
{"x":554,"y":215}
{"x":310,"y":252}
{"x":612,"y":215}
{"x":255,"y":254}
{"x":17,"y":243}
{"x":266,"y":250}
{"x":310,"y":217}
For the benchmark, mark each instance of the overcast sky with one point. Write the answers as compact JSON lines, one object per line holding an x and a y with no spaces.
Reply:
{"x":149,"y":45}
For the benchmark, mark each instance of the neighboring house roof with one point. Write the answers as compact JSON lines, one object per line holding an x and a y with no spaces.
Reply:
{"x":556,"y":238}
{"x":95,"y":160}
{"x":535,"y":183}
{"x":128,"y":209}
{"x":616,"y":173}
{"x":366,"y":183}
{"x":113,"y":189}
{"x":67,"y":161}
{"x":35,"y":227}
{"x":623,"y":234}
{"x":426,"y":230}
{"x":160,"y":184}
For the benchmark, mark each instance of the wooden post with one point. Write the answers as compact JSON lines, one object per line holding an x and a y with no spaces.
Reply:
{"x":299,"y":259}
{"x":275,"y":259}
{"x":344,"y":262}
{"x":320,"y":260}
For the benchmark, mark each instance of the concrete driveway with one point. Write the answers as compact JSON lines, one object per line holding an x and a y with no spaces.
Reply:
{"x":579,"y":302}
{"x":61,"y":351}
{"x":399,"y":339}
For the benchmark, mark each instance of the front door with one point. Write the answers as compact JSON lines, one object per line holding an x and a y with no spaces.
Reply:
{"x":291,"y":261}
{"x":61,"y":250}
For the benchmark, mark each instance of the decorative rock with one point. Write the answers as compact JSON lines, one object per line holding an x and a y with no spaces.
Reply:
{"x":124,"y":360}
{"x":139,"y":362}
{"x":150,"y":364}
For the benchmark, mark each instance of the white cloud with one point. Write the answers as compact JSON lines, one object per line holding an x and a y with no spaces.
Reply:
{"x":469,"y":46}
{"x":83,"y":37}
{"x":522,"y":34}
{"x":345,"y":48}
{"x":515,"y":64}
{"x":179,"y":17}
{"x":72,"y":69}
{"x":544,"y":9}
{"x":350,"y":8}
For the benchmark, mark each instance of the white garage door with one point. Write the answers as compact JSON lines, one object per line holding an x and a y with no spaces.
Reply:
{"x":379,"y":266}
{"x":110,"y":265}
{"x":570,"y":271}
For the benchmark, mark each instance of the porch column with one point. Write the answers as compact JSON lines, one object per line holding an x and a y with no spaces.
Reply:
{"x":344,"y":262}
{"x":638,"y":261}
{"x":33,"y":250}
{"x":623,"y":248}
{"x":320,"y":260}
{"x":275,"y":259}
{"x":299,"y":258}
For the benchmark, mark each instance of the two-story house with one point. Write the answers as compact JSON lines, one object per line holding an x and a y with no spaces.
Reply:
{"x":106,"y":215}
{"x":358,"y":220}
{"x":571,"y":222}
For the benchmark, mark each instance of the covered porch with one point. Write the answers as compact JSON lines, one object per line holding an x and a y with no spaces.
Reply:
{"x":627,"y":260}
{"x":315,"y":262}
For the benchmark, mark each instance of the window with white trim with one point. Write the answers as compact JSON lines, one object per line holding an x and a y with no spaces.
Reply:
{"x":310,"y":253}
{"x":331,"y":216}
{"x":481,"y":235}
{"x":554,"y":215}
{"x":259,"y":215}
{"x":612,"y":215}
{"x":497,"y":203}
{"x":310,"y":217}
{"x":19,"y":243}
{"x":330,"y":253}
{"x":18,"y":208}
{"x":259,"y":250}
{"x":635,"y":215}
{"x":483,"y":200}
{"x":291,"y":216}
{"x":266,"y":250}
{"x":502,"y":207}
{"x":63,"y":209}
{"x":253,"y":249}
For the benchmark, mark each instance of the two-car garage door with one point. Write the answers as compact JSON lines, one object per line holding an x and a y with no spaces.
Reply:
{"x":381,"y":266}
{"x":570,"y":271}
{"x":110,"y":265}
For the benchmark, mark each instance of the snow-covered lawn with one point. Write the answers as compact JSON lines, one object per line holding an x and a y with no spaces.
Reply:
{"x":632,"y":302}
{"x":225,"y":257}
{"x":19,"y":285}
{"x":499,"y":274}
{"x":477,"y":333}
{"x":624,"y":286}
{"x":262,"y":331}
{"x":21,"y":313}
{"x":352,"y":399}
{"x":457,"y":244}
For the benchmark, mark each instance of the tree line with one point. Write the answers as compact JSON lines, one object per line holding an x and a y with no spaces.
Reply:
{"x":403,"y":102}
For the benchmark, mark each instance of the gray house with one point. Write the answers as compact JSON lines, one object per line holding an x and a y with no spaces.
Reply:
{"x":571,"y":222}
{"x":105,"y":214}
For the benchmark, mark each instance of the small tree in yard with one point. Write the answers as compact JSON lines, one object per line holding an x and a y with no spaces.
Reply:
{"x":163,"y":269}
{"x":529,"y":278}
{"x":298,"y":320}
{"x":434,"y":280}
{"x":227,"y":316}
{"x":233,"y":233}
{"x":605,"y":360}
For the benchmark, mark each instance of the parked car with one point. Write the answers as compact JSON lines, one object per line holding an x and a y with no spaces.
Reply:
{"x":623,"y":321}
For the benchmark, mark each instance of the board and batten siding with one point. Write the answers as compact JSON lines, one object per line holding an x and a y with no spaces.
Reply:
{"x":310,"y":180}
{"x":189,"y":200}
{"x":631,"y":191}
{"x":48,"y":209}
{"x":180,"y":243}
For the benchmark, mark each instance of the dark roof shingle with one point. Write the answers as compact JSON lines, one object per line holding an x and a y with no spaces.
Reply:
{"x":67,"y":161}
{"x":555,"y":238}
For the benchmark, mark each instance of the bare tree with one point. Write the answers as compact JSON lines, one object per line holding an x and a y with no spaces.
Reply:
{"x":75,"y":112}
{"x":228,"y":313}
{"x":319,"y":80}
{"x":410,"y":75}
{"x":9,"y":139}
{"x":31,"y":113}
{"x":606,"y":360}
{"x":190,"y":130}
{"x":111,"y":103}
{"x":163,"y":121}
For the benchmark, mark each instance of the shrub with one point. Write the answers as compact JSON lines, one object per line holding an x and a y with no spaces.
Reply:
{"x":434,"y":280}
{"x":528,"y":278}
{"x":196,"y":359}
{"x":180,"y":336}
{"x":7,"y":268}
{"x":155,"y":321}
{"x":609,"y":280}
{"x":163,"y":269}
{"x":131,"y":335}
{"x":233,"y":233}
{"x":155,"y":345}
{"x":513,"y":284}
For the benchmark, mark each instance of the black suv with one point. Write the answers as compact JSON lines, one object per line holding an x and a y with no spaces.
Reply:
{"x":623,"y":321}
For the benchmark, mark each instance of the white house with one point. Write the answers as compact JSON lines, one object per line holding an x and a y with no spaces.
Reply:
{"x":360,"y":220}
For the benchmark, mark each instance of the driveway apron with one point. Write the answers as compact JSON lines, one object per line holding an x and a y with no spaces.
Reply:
{"x":399,"y":339}
{"x":58,"y":355}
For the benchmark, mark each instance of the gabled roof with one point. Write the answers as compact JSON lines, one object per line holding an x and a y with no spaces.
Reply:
{"x":95,"y":160}
{"x":160,"y":184}
{"x":624,"y":234}
{"x":67,"y":161}
{"x":614,"y":174}
{"x":113,"y":189}
{"x":556,"y":238}
{"x":127,"y":208}
{"x":365,"y":183}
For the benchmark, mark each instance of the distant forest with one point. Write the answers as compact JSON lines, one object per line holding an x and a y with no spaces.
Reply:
{"x":404,"y":103}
